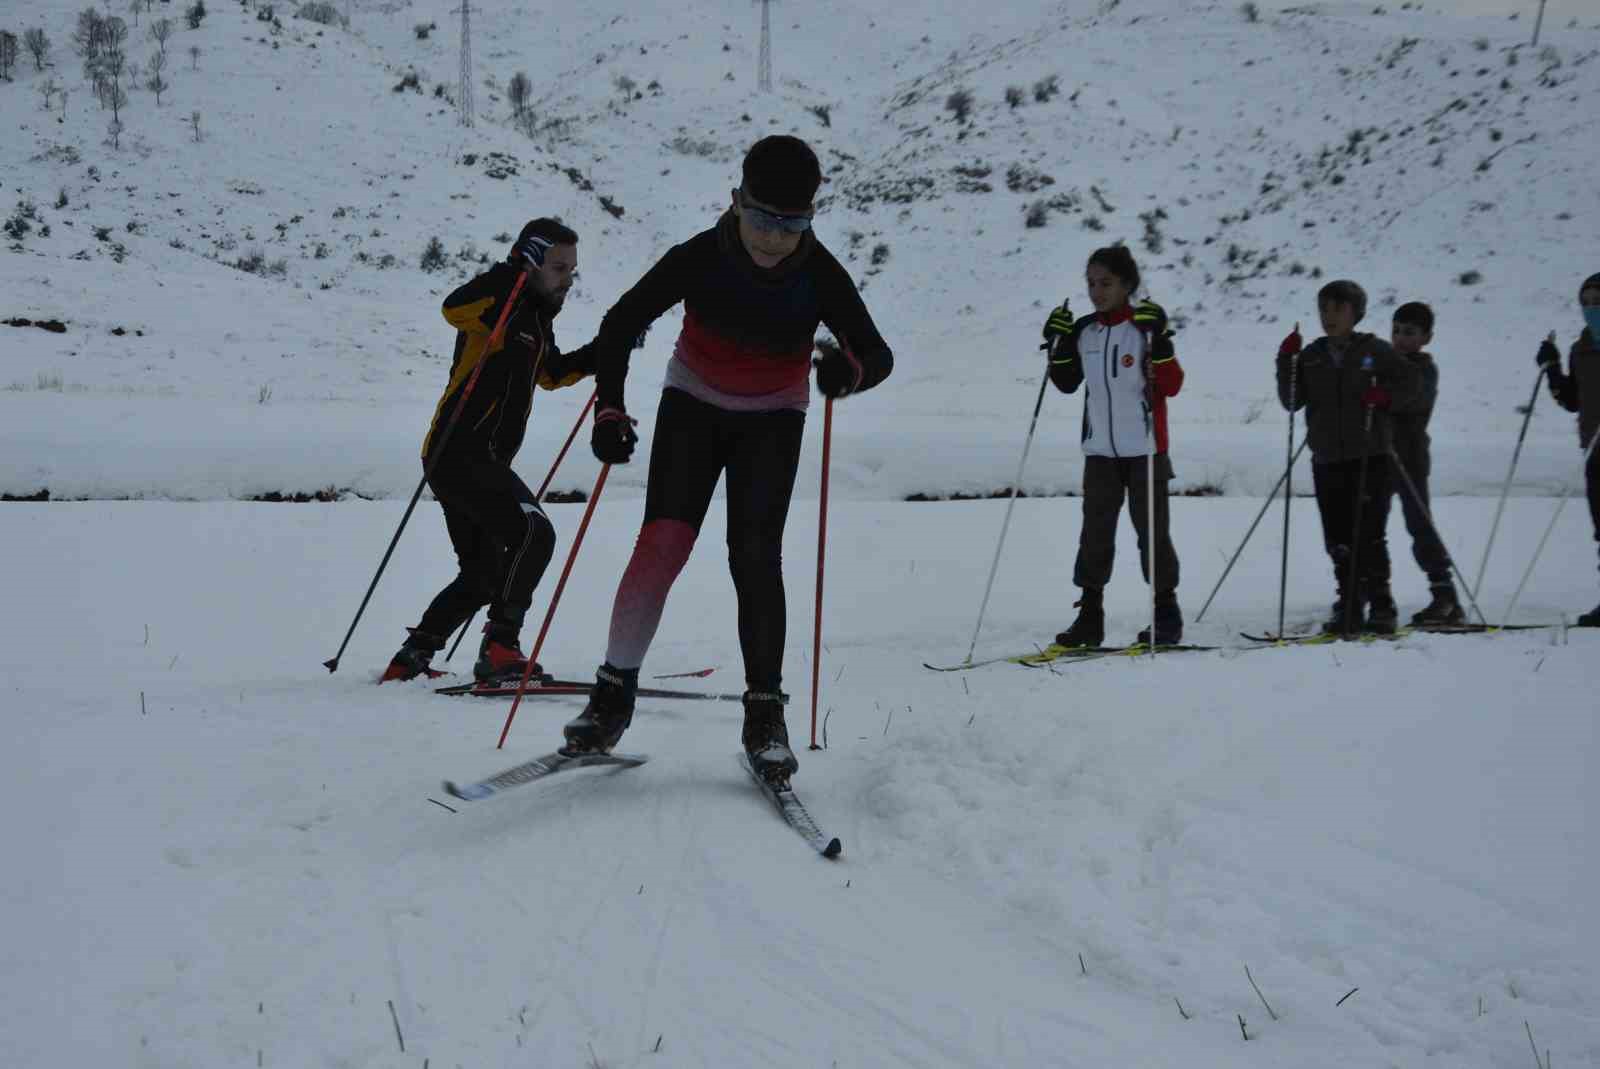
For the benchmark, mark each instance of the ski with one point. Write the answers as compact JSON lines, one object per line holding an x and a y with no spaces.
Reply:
{"x":537,"y":769}
{"x":1321,"y":637}
{"x":566,"y":687}
{"x":1052,"y":653}
{"x":794,"y":813}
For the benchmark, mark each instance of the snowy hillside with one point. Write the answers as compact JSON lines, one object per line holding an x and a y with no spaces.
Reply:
{"x":1245,"y":161}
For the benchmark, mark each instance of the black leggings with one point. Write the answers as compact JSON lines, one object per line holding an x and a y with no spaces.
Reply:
{"x":1336,"y":485}
{"x":695,"y":444}
{"x":503,"y":542}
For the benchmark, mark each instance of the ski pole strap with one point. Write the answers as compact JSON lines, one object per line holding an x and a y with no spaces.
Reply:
{"x":766,"y":696}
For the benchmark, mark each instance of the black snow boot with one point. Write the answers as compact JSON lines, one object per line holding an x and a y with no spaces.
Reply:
{"x":1591,"y":618}
{"x":1344,"y":618}
{"x":1443,"y":611}
{"x":1089,"y":629}
{"x":1383,"y":617}
{"x":610,"y":710}
{"x":766,"y":738}
{"x":414,"y":658}
{"x":1169,"y":622}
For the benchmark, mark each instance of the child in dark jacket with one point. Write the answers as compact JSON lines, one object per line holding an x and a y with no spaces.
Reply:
{"x":1578,"y":390}
{"x":1125,"y":356}
{"x":1347,"y":382}
{"x":1411,"y":331}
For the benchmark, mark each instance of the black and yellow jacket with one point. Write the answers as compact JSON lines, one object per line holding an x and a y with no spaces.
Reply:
{"x":496,"y":415}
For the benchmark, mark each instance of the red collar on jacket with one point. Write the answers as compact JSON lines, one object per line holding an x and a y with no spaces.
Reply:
{"x":1118,"y":315}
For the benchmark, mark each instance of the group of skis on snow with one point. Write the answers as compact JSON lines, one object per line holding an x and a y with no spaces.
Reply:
{"x":755,"y":287}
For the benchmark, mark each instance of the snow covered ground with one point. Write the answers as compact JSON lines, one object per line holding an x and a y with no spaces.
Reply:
{"x":217,"y":850}
{"x":218,"y":854}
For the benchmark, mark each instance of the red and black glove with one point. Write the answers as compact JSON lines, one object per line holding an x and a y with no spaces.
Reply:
{"x":613,"y":437}
{"x":1376,"y":396}
{"x":1291,"y":345}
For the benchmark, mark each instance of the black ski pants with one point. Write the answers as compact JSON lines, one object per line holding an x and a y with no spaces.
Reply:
{"x":503,"y":543}
{"x":1338,"y":503}
{"x":1427,"y":549}
{"x":1106,"y":480}
{"x":695,"y":445}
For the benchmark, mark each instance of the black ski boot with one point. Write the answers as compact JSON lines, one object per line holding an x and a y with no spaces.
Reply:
{"x":1383,"y":617}
{"x":1443,"y":611}
{"x":500,"y":657}
{"x":1591,"y":618}
{"x":1344,"y":618}
{"x":1169,"y":622}
{"x":766,"y":738}
{"x":1089,"y":629}
{"x":610,"y":710}
{"x":414,"y":658}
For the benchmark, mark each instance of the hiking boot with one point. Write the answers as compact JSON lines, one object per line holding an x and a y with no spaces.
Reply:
{"x":1443,"y":611}
{"x":1343,"y":618}
{"x":414,"y":658}
{"x":1169,"y":622}
{"x":500,"y":657}
{"x":607,"y":715}
{"x":1383,"y":617}
{"x":1089,"y":629}
{"x":766,"y":738}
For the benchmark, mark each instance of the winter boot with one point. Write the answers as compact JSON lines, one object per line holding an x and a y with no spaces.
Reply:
{"x":1443,"y":611}
{"x":1591,"y":618}
{"x":766,"y":738}
{"x":1089,"y":629}
{"x":610,"y":710}
{"x":500,"y":657}
{"x":1383,"y":618}
{"x":1343,"y":618}
{"x":413,"y":659}
{"x":1169,"y":622}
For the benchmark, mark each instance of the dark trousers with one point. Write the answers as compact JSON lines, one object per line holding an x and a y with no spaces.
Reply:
{"x":1426,"y":547}
{"x":503,"y":542}
{"x":695,"y":445}
{"x":1336,"y":486}
{"x":1106,"y":480}
{"x":1591,"y":478}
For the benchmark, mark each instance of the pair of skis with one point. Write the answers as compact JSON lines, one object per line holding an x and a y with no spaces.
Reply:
{"x":778,"y":791}
{"x":1053,"y":653}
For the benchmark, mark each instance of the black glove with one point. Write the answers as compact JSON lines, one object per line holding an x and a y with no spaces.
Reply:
{"x":838,"y":373}
{"x":1549,"y":356}
{"x":613,"y":437}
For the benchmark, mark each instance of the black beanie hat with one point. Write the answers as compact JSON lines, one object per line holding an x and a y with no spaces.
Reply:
{"x":783,"y":172}
{"x":1590,"y":283}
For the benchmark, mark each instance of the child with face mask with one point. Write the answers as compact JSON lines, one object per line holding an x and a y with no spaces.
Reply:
{"x":1578,"y":390}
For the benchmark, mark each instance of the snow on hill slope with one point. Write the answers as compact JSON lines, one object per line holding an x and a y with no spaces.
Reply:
{"x":1245,"y":161}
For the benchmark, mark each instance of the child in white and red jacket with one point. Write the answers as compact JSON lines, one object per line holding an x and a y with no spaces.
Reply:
{"x":1124,"y":356}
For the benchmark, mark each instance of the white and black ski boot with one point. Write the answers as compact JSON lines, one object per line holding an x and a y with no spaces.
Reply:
{"x":610,"y":710}
{"x":1443,"y":611}
{"x":1089,"y":629}
{"x":766,"y":738}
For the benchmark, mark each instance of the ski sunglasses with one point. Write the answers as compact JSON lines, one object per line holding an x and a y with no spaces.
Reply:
{"x":762,"y":219}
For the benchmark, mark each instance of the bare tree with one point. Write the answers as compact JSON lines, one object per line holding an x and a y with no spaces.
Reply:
{"x":155,"y":79}
{"x":194,"y":121}
{"x":89,"y":35}
{"x":8,"y":53}
{"x":194,"y":59}
{"x":518,"y":89}
{"x":114,"y":131}
{"x":136,"y":6}
{"x":38,"y":46}
{"x":160,"y":31}
{"x":46,"y":90}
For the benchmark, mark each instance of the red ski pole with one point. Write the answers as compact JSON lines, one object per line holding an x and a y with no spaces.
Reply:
{"x":539,"y":499}
{"x":555,"y":599}
{"x":822,"y":552}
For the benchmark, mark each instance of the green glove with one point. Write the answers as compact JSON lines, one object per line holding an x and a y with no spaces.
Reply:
{"x":1150,"y":316}
{"x":1059,"y":325}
